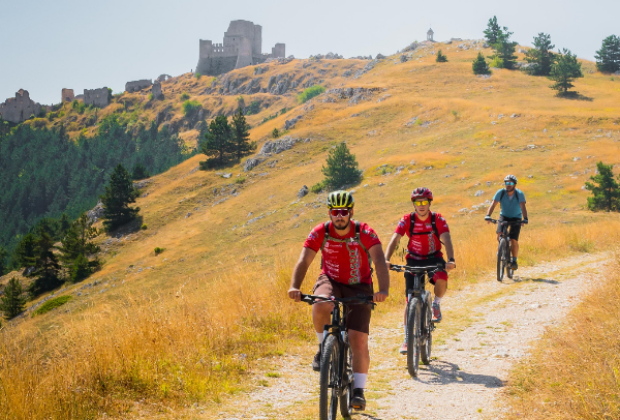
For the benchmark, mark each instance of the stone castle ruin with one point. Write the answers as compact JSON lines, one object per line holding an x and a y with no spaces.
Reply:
{"x":97,"y":97}
{"x":138,"y":85}
{"x":19,"y":108}
{"x":242,"y":47}
{"x":67,"y":95}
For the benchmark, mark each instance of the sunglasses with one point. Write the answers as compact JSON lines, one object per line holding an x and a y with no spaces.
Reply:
{"x":421,"y":203}
{"x":339,"y":212}
{"x":509,"y":183}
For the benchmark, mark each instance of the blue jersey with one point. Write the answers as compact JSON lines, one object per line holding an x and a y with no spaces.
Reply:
{"x":510,"y":205}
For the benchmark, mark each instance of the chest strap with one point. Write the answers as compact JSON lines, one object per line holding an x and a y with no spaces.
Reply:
{"x":346,"y":242}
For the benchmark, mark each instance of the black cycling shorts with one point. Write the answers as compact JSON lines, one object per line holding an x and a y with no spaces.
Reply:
{"x":439,"y":275}
{"x":513,"y":230}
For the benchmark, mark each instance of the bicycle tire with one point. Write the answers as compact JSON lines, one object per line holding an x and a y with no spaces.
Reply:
{"x":500,"y":264}
{"x":328,"y":401}
{"x":509,"y":271}
{"x":347,"y":392}
{"x":413,"y":337}
{"x":427,"y":343}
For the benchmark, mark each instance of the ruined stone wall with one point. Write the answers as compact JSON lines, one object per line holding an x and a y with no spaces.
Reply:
{"x":137,"y":85}
{"x":156,"y":90}
{"x":97,"y":97}
{"x":67,"y":95}
{"x":19,"y":108}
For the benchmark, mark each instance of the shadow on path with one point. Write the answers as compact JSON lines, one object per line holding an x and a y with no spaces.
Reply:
{"x":440,"y":372}
{"x":539,"y":280}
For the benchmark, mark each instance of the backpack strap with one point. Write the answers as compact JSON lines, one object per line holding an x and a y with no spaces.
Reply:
{"x":433,"y":224}
{"x":325,"y":237}
{"x":502,"y":194}
{"x":358,"y":239}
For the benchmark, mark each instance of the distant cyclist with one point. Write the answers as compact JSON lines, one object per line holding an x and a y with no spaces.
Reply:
{"x":348,"y":247}
{"x":512,"y":201}
{"x":426,"y":231}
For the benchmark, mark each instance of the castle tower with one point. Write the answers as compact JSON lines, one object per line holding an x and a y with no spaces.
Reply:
{"x":429,"y":35}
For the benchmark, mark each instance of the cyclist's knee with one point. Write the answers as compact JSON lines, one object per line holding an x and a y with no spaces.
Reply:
{"x":358,"y":339}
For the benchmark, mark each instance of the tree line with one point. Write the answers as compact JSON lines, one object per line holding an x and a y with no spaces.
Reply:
{"x":45,"y":174}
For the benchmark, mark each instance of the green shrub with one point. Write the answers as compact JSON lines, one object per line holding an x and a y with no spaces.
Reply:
{"x":275,"y":133}
{"x":150,"y":97}
{"x":144,"y":227}
{"x":184,"y":96}
{"x":52,"y":304}
{"x":158,"y":250}
{"x":310,"y":93}
{"x":497,"y":62}
{"x":191,"y":107}
{"x":78,"y":106}
{"x":240,"y":180}
{"x":317,"y":188}
{"x":253,"y":108}
{"x":198,"y":75}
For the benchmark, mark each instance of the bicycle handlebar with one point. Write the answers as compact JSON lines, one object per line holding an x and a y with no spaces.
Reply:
{"x":416,"y":270}
{"x":361,"y":299}
{"x":505,"y":222}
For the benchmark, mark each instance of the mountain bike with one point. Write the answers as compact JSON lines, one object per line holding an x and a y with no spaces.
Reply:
{"x":420,"y":325}
{"x":336,"y":376}
{"x":503,"y":250}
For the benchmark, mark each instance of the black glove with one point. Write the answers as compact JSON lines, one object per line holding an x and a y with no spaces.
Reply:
{"x":525,"y":221}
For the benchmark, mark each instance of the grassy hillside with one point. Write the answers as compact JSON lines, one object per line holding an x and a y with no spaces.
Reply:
{"x":187,"y":324}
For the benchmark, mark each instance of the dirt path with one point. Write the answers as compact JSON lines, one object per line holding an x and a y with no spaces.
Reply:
{"x":486,"y":328}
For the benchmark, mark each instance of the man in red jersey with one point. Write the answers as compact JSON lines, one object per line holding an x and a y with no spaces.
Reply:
{"x":347,"y":248}
{"x":426,"y":231}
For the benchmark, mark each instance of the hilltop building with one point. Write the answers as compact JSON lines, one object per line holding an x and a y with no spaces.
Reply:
{"x":67,"y":95}
{"x":97,"y":97}
{"x":429,"y":35}
{"x":19,"y":108}
{"x":242,"y":47}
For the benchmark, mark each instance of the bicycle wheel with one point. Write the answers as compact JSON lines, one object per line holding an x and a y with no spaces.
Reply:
{"x":509,"y":271}
{"x":500,"y":258}
{"x":328,"y":399}
{"x":413,"y":336}
{"x":427,"y":340}
{"x":347,"y":393}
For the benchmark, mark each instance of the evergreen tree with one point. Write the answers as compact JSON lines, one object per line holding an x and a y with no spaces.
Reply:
{"x":218,"y":144}
{"x":13,"y":300}
{"x":77,"y":246}
{"x":441,"y":58}
{"x":541,"y":56}
{"x":241,"y":136}
{"x":275,"y":133}
{"x":341,"y":169}
{"x":119,"y":193}
{"x":480,"y":65}
{"x":140,"y":172}
{"x":24,"y":252}
{"x":564,"y":71}
{"x":608,"y":57}
{"x":46,"y":268}
{"x":493,"y":30}
{"x":505,"y":50}
{"x":3,"y":262}
{"x":605,"y":189}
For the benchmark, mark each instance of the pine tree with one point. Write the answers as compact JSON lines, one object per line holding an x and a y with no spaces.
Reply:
{"x":241,"y":136}
{"x":505,"y":50}
{"x":45,"y":262}
{"x":493,"y":30}
{"x":480,"y":65}
{"x":608,"y":57}
{"x":140,"y":172}
{"x":218,"y":144}
{"x":341,"y":169}
{"x":541,"y":56}
{"x":119,"y":193}
{"x":441,"y":58}
{"x":77,"y":247}
{"x":275,"y":133}
{"x":605,"y":189}
{"x":564,"y":71}
{"x":24,"y":253}
{"x":3,"y":263}
{"x":13,"y":300}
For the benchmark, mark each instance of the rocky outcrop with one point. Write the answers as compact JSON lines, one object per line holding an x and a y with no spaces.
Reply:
{"x":138,"y":85}
{"x":278,"y":146}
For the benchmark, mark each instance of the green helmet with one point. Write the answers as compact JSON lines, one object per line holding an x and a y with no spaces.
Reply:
{"x":340,"y":200}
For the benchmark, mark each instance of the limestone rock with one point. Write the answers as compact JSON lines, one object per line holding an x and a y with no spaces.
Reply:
{"x":479,"y":193}
{"x":251,"y":163}
{"x":96,"y":212}
{"x":302,"y":192}
{"x":278,"y":146}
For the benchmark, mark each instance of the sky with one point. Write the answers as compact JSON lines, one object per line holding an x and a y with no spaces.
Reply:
{"x":82,"y":44}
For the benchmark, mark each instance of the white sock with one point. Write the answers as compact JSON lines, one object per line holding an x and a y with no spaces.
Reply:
{"x":405,"y":329}
{"x":359,"y":380}
{"x":320,"y":337}
{"x":437,"y":300}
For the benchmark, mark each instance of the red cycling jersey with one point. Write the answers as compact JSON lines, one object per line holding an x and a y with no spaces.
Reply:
{"x":422,"y":247}
{"x":345,"y":263}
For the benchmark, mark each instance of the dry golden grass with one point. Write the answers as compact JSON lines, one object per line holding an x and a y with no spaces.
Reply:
{"x":574,"y":371}
{"x":138,"y":340}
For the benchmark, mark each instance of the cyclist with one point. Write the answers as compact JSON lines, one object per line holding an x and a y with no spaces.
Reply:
{"x":513,"y":209}
{"x":348,"y":248}
{"x":426,"y":231}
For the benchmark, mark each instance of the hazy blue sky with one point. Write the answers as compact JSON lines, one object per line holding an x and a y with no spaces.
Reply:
{"x":51,"y":44}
